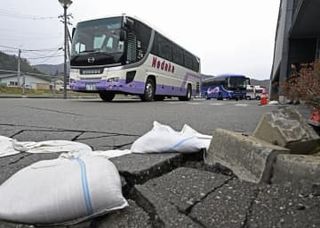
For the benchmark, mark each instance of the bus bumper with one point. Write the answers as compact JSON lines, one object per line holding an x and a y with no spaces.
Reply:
{"x":103,"y":85}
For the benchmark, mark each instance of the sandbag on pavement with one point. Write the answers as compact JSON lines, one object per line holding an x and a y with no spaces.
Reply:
{"x":6,"y":147}
{"x":163,"y":138}
{"x":51,"y":146}
{"x":111,"y":153}
{"x":66,"y":191}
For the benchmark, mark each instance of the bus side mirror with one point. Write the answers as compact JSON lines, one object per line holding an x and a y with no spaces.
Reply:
{"x":123,"y":35}
{"x":73,"y":31}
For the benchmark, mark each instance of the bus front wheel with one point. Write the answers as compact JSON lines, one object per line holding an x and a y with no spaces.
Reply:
{"x":149,"y":91}
{"x":107,"y":97}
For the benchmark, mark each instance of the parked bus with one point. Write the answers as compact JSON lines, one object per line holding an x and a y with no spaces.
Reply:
{"x":123,"y":55}
{"x":225,"y":87}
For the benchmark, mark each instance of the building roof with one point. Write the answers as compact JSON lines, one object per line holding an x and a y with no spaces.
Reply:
{"x":14,"y":75}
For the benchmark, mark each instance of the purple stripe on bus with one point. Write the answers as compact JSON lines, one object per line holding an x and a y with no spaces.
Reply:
{"x":134,"y":87}
{"x":190,"y":77}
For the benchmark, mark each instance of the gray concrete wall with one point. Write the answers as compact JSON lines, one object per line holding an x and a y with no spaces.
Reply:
{"x":279,"y":39}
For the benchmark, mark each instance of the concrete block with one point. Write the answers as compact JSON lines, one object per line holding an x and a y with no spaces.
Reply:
{"x":249,"y":158}
{"x":287,"y":128}
{"x":297,"y":169}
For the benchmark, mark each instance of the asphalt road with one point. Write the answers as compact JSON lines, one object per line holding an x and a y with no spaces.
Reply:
{"x":163,"y":190}
{"x":129,"y":116}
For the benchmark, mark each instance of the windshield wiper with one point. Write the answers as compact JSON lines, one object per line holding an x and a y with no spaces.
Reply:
{"x":97,"y":52}
{"x":90,"y":51}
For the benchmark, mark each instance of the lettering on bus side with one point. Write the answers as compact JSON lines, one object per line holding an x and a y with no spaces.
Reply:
{"x":162,"y":65}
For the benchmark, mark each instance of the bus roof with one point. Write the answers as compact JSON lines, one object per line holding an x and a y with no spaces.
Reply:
{"x":224,"y":76}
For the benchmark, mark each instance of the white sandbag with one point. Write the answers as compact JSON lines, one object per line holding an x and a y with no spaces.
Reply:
{"x":65,"y":191}
{"x":110,"y":153}
{"x":203,"y":139}
{"x":51,"y":146}
{"x":163,"y":138}
{"x":6,"y":147}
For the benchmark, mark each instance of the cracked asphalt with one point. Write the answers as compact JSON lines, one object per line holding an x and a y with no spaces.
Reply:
{"x":163,"y":190}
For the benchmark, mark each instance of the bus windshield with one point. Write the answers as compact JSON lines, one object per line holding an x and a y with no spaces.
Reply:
{"x":237,"y":83}
{"x":98,"y":36}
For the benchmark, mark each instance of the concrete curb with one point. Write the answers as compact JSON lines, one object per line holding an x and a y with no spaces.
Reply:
{"x":249,"y":158}
{"x":297,"y":169}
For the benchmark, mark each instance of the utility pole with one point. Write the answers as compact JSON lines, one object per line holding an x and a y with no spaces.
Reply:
{"x":19,"y":68}
{"x":65,"y":52}
{"x":65,"y":4}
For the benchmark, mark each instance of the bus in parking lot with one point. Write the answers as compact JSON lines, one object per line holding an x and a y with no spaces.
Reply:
{"x":225,"y":87}
{"x":123,"y":55}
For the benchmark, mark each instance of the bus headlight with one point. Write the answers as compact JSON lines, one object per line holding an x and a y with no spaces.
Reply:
{"x":74,"y":74}
{"x":114,"y":79}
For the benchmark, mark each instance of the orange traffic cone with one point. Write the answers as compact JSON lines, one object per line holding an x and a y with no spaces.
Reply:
{"x":315,"y":118}
{"x":263,"y":99}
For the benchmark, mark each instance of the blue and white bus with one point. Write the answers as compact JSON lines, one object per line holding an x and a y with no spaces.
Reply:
{"x":225,"y":87}
{"x":122,"y":55}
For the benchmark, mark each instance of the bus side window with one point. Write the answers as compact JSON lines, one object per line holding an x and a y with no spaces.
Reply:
{"x":177,"y":55}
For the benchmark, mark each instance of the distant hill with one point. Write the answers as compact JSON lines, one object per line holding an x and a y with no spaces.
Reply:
{"x":53,"y":70}
{"x":206,"y":76}
{"x":10,"y":63}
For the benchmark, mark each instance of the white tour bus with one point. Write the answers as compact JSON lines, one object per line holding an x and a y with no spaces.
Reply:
{"x":121,"y":54}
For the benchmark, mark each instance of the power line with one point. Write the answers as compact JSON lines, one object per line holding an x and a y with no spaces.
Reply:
{"x":30,"y":50}
{"x":18,"y":15}
{"x":42,"y":57}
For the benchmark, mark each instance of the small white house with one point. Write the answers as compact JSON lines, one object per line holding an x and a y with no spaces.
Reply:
{"x":31,"y":81}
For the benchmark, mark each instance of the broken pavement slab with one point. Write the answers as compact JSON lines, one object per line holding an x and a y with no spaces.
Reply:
{"x":248,"y":158}
{"x":138,"y":168}
{"x":287,"y":128}
{"x":171,"y":196}
{"x":229,"y":206}
{"x":297,"y":169}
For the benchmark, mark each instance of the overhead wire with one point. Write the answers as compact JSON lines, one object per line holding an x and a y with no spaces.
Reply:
{"x":18,"y":15}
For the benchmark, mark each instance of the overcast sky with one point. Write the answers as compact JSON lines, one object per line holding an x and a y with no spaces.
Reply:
{"x":229,"y":36}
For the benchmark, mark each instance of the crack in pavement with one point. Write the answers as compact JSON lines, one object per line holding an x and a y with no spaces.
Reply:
{"x":122,"y":145}
{"x":19,"y":159}
{"x":186,"y":214}
{"x":249,"y":211}
{"x":67,"y":130}
{"x":148,"y":207}
{"x":98,"y":137}
{"x":52,"y":110}
{"x":77,"y":136}
{"x":17,"y":133}
{"x":189,"y":209}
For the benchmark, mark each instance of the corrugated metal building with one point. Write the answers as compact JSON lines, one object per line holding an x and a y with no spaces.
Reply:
{"x":297,"y":39}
